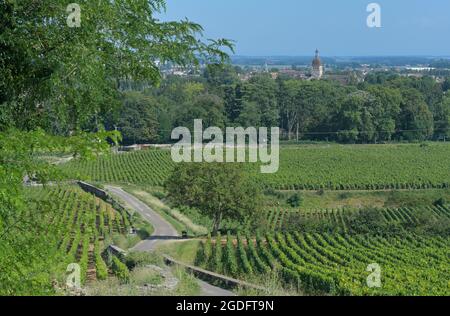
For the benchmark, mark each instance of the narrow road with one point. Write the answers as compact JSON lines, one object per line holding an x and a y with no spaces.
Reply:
{"x":163,"y":231}
{"x":211,"y":290}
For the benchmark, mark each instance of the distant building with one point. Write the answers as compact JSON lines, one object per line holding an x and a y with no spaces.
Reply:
{"x":317,"y":67}
{"x":296,"y":74}
{"x":274,"y":75}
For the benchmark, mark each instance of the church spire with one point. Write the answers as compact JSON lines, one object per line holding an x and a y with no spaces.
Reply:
{"x":317,"y":67}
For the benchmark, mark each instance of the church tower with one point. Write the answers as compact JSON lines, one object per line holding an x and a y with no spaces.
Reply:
{"x":317,"y":67}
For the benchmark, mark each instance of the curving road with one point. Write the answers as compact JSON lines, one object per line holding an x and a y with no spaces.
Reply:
{"x":163,"y":231}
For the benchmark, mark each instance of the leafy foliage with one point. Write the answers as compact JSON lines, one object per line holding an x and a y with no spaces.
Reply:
{"x":406,"y":166}
{"x":72,"y":75}
{"x":57,"y":227}
{"x":218,"y":190}
{"x":294,"y":200}
{"x":326,"y":263}
{"x":120,"y":270}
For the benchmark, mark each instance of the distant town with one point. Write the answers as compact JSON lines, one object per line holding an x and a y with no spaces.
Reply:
{"x":346,"y":70}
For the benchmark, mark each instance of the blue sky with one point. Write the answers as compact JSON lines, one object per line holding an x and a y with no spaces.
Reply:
{"x":336,"y":27}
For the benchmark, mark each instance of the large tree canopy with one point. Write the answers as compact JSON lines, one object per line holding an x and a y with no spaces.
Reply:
{"x":138,"y":119}
{"x":62,"y":77}
{"x":219,"y":190}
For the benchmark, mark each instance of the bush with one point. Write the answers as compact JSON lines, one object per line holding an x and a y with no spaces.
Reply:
{"x":120,"y":270}
{"x":144,"y":232}
{"x":230,"y":262}
{"x":134,"y":259}
{"x":428,"y":223}
{"x":244,"y":263}
{"x":295,"y":200}
{"x":344,"y":195}
{"x":204,"y":253}
{"x":298,"y":222}
{"x":100,"y":265}
{"x":371,"y":221}
{"x":440,"y":202}
{"x":216,"y":263}
{"x":158,"y":194}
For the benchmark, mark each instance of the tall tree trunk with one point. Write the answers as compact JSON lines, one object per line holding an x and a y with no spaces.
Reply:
{"x":288,"y":123}
{"x":297,"y":132}
{"x":216,"y":222}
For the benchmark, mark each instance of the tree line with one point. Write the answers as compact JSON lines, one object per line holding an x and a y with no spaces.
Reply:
{"x":384,"y":107}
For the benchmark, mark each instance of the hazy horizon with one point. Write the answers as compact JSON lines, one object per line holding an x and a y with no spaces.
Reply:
{"x":343,"y":56}
{"x":336,"y":28}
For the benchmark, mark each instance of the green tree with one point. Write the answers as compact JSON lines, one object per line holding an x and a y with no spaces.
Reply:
{"x":250,"y":115}
{"x":415,"y":120}
{"x":233,"y":101}
{"x":262,"y":90}
{"x":446,"y":84}
{"x":354,"y":118}
{"x":317,"y":103}
{"x":219,"y":190}
{"x":384,"y":108}
{"x":138,"y":119}
{"x":287,"y":93}
{"x":60,"y":77}
{"x":220,"y":74}
{"x":442,"y":118}
{"x":208,"y":107}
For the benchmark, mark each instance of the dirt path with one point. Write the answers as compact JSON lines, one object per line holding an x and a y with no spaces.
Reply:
{"x":163,"y":231}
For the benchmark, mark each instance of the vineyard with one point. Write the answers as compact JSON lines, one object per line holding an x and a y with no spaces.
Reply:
{"x":325,"y":251}
{"x":363,"y":167}
{"x":335,"y":258}
{"x":336,"y":263}
{"x":335,"y":167}
{"x":150,"y":167}
{"x":78,"y":223}
{"x":280,"y":219}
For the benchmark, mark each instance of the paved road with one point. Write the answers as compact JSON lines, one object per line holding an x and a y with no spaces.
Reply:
{"x":163,"y":231}
{"x":211,"y":290}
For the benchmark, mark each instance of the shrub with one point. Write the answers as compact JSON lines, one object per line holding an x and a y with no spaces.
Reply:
{"x":295,"y":200}
{"x":242,"y":256}
{"x":100,"y":266}
{"x":427,"y":222}
{"x":230,"y":257}
{"x":440,"y":202}
{"x":298,"y":222}
{"x":344,"y":195}
{"x":208,"y":249}
{"x":216,"y":262}
{"x":134,"y":259}
{"x":120,"y":270}
{"x":204,"y":253}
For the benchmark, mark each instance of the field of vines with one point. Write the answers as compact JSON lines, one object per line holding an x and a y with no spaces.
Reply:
{"x":150,"y":167}
{"x":336,"y":264}
{"x":77,"y":224}
{"x":279,"y":219}
{"x":312,"y":167}
{"x":365,"y":167}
